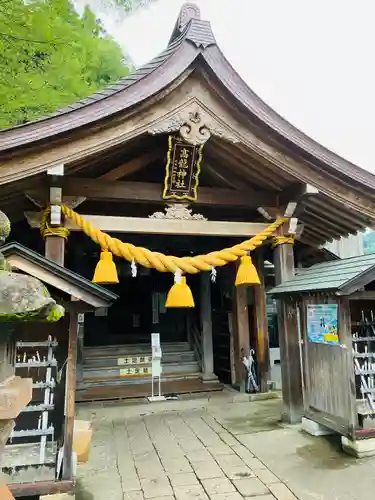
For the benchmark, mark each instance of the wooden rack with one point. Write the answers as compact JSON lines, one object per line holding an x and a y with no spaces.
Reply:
{"x":363,"y":336}
{"x":33,"y":363}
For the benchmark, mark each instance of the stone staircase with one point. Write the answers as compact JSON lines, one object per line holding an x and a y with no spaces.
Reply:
{"x":125,"y":370}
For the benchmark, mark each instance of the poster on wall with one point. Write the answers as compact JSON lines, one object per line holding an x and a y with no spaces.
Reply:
{"x":322,"y":321}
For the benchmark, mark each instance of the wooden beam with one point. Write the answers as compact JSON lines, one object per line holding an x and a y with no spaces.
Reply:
{"x":70,"y":394}
{"x":98,"y":189}
{"x":41,"y":488}
{"x":225,"y":180}
{"x":322,"y":217}
{"x":289,"y":337}
{"x":363,"y":295}
{"x":261,"y":325}
{"x":250,"y":169}
{"x":322,"y":225}
{"x":40,"y":199}
{"x":326,"y":206}
{"x":161,"y":226}
{"x":297,"y":192}
{"x":130,"y":167}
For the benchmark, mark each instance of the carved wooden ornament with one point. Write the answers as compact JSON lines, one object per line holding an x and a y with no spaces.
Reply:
{"x":195,"y":126}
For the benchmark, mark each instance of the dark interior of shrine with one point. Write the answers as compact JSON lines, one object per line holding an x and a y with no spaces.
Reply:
{"x":140,"y":309}
{"x":134,"y":316}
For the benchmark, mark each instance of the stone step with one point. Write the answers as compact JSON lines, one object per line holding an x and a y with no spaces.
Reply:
{"x":129,"y":349}
{"x":111,"y":359}
{"x":142,"y":389}
{"x":114,"y":370}
{"x":134,"y":380}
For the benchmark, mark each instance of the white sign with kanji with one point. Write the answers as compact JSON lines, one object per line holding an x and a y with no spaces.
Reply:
{"x":134,"y":360}
{"x":143,"y":371}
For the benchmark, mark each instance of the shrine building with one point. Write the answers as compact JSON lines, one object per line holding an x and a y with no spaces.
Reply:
{"x":177,"y":160}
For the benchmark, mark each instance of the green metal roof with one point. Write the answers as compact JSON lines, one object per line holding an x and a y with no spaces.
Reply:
{"x":334,"y":276}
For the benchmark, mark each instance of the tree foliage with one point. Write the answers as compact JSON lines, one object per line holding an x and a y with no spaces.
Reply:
{"x":125,"y":7}
{"x":50,"y":57}
{"x":133,"y":5}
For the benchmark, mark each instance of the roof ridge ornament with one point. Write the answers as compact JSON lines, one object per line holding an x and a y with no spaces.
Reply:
{"x":194,"y":130}
{"x":188,"y":12}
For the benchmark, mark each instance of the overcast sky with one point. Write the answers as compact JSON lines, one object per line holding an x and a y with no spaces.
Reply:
{"x":311,"y":60}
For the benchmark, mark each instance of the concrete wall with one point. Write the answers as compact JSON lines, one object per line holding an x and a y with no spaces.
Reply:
{"x":351,"y":246}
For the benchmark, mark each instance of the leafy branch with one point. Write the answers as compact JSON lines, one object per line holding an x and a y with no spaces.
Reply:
{"x":50,"y":57}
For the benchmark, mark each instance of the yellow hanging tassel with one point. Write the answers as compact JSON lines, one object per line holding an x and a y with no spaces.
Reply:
{"x":105,"y":271}
{"x":247,"y":273}
{"x":180,"y":294}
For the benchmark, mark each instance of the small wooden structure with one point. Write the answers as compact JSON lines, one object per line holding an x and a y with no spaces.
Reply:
{"x":334,"y":303}
{"x":47,"y":353}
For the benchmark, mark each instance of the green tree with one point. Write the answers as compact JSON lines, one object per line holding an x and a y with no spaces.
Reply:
{"x":51,"y":57}
{"x":116,"y":10}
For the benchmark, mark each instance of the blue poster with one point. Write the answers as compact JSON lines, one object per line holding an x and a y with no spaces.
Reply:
{"x":322,"y":320}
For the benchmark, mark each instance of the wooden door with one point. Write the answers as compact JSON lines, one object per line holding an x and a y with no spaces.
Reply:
{"x":329,"y":387}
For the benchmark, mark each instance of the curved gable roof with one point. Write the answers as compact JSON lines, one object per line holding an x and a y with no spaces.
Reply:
{"x":131,"y":90}
{"x":191,"y":38}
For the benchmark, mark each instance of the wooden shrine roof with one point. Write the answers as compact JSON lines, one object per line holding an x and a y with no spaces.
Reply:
{"x":55,"y":275}
{"x":342,"y":276}
{"x":269,"y":156}
{"x":193,"y":43}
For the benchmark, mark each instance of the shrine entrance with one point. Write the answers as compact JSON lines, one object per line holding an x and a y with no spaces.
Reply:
{"x":116,"y":343}
{"x":185,"y":130}
{"x":139,"y":311}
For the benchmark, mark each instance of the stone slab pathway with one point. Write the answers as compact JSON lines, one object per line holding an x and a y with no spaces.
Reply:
{"x":181,"y":453}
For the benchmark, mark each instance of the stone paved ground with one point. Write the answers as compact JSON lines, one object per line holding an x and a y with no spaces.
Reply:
{"x":222,"y":449}
{"x":181,"y":454}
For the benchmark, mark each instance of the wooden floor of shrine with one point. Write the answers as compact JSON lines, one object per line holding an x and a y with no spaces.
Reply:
{"x":175,"y":387}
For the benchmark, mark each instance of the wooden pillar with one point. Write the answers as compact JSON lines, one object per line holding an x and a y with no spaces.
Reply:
{"x":241,"y":333}
{"x":80,"y":346}
{"x":262,"y":346}
{"x":70,"y":397}
{"x":206,"y":327}
{"x":55,"y":249}
{"x":55,"y":245}
{"x":289,"y":338}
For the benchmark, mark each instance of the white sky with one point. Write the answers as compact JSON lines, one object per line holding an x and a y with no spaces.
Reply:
{"x":311,"y":60}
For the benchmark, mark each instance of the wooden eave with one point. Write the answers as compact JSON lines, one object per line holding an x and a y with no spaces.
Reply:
{"x":55,"y":275}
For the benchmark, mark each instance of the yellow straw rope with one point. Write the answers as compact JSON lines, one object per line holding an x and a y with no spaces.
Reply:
{"x":47,"y":230}
{"x":283,"y":240}
{"x":168,"y":263}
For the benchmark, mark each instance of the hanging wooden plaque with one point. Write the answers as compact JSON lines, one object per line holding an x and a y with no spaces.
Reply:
{"x":182,"y":170}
